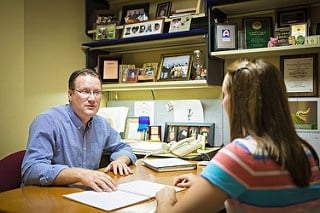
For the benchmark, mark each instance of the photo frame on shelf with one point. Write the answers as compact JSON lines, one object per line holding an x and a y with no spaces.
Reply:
{"x":287,"y":17}
{"x":175,"y":131}
{"x":257,"y":31}
{"x":175,"y":67}
{"x":226,"y":36}
{"x":131,"y":129}
{"x":163,"y":10}
{"x":108,"y":68}
{"x":180,"y":23}
{"x":148,"y":72}
{"x":123,"y":71}
{"x":143,"y":28}
{"x":105,"y":32}
{"x":300,"y":32}
{"x":305,"y":113}
{"x":135,"y":13}
{"x":132,"y":75}
{"x":300,"y":74}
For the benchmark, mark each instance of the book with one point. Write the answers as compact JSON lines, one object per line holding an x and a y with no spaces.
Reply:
{"x":168,"y":164}
{"x":127,"y":194}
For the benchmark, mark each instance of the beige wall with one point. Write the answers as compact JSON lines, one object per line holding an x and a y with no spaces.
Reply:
{"x":41,"y":46}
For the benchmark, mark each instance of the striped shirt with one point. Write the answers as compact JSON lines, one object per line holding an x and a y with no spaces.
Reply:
{"x":255,"y":183}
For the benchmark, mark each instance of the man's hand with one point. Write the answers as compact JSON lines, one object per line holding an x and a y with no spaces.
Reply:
{"x":119,"y":166}
{"x":97,"y":180}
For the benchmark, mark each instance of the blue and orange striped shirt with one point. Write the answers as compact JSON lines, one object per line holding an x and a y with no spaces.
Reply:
{"x":255,"y":183}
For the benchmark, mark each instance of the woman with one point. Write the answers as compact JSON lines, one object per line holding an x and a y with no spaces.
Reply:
{"x":267,"y":167}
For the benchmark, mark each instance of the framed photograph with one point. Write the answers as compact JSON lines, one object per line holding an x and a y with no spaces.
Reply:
{"x":123,"y":72}
{"x":148,"y":72}
{"x":108,"y":68}
{"x":143,"y":28}
{"x":135,"y":13}
{"x":299,"y":31}
{"x":300,"y":74}
{"x":226,"y":36}
{"x":105,"y":32}
{"x":154,"y":133}
{"x":257,"y":31}
{"x":175,"y":67}
{"x":131,"y":129}
{"x":163,"y":10}
{"x":287,"y":17}
{"x":305,"y":113}
{"x":175,"y":131}
{"x":132,"y":76}
{"x":180,"y":23}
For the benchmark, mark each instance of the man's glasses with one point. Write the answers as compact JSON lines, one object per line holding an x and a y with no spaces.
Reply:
{"x":86,"y":94}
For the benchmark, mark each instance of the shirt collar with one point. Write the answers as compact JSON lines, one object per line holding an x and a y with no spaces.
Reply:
{"x":76,"y":121}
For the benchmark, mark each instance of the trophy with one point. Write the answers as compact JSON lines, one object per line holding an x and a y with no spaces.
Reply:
{"x":197,"y":63}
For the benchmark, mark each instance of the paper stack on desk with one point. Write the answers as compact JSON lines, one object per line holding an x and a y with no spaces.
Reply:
{"x":168,"y":164}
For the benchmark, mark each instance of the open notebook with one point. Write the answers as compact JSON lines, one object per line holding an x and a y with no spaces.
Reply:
{"x":127,"y":194}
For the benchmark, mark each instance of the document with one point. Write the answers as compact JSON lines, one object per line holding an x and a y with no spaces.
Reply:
{"x":126,"y":194}
{"x":168,"y":164}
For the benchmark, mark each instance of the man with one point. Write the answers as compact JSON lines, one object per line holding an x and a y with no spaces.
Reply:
{"x":66,"y":142}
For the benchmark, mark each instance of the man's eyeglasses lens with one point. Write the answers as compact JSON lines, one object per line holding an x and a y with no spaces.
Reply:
{"x":85,"y":93}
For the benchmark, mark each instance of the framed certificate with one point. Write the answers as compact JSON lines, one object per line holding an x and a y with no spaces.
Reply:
{"x":300,"y":74}
{"x":108,"y":68}
{"x":225,"y":36}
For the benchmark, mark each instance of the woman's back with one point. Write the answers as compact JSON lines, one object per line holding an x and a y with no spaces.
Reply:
{"x":255,"y":183}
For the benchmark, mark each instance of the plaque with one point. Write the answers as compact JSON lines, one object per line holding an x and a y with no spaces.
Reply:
{"x":257,"y":31}
{"x":225,"y":36}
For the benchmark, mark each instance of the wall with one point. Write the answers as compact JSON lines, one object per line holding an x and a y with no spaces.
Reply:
{"x":41,"y":46}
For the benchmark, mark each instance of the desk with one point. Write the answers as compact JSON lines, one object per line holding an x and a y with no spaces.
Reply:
{"x":49,"y":199}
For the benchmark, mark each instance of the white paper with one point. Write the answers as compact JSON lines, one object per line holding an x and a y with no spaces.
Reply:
{"x":116,"y":116}
{"x":144,"y":108}
{"x":188,"y":111}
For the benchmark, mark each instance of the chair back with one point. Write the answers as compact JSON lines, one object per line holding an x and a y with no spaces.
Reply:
{"x":10,"y":171}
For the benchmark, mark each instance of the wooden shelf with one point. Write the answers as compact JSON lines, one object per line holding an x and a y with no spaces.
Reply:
{"x":192,"y":84}
{"x":276,"y":51}
{"x":154,"y":42}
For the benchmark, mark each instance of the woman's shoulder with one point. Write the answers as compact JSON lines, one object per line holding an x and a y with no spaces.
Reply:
{"x":247,"y":144}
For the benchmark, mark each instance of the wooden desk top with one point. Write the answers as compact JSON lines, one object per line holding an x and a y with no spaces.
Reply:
{"x":49,"y":199}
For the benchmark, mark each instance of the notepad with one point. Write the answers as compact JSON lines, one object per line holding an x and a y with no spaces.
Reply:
{"x":168,"y":164}
{"x":126,"y":194}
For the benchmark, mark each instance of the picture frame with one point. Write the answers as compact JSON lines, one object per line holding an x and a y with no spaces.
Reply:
{"x":226,"y":36}
{"x":163,"y":10}
{"x":105,"y":32}
{"x":300,"y":32}
{"x":305,"y":113}
{"x":132,"y":76}
{"x":123,"y":71}
{"x":257,"y":31}
{"x":108,"y":68}
{"x":300,"y":74}
{"x":131,"y":129}
{"x":154,"y":133}
{"x":287,"y":17}
{"x":175,"y":67}
{"x":143,"y":28}
{"x":180,"y":23}
{"x":148,"y":72}
{"x":175,"y":131}
{"x":135,"y":13}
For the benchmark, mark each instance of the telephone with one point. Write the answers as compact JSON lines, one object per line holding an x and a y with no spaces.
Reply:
{"x":186,"y":146}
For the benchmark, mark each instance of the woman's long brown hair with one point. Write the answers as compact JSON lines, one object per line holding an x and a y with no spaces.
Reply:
{"x":259,"y":107}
